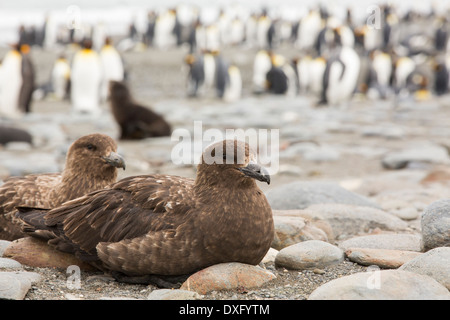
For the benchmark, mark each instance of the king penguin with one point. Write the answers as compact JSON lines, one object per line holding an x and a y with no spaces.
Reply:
{"x":112,"y":67}
{"x":207,"y":37}
{"x":28,"y":79}
{"x":233,"y":90}
{"x":381,"y":72}
{"x":196,"y":74}
{"x":60,"y":78}
{"x":441,"y":79}
{"x":202,"y":73}
{"x":164,"y":37}
{"x":209,"y":68}
{"x":237,"y":32}
{"x":310,"y":74}
{"x":276,"y":80}
{"x":208,"y":72}
{"x":12,"y":82}
{"x":261,"y":65}
{"x":228,"y":82}
{"x":309,"y":29}
{"x":281,"y":78}
{"x":302,"y":68}
{"x":316,"y":72}
{"x":99,"y":33}
{"x":86,"y":78}
{"x":262,"y":29}
{"x":250,"y":30}
{"x":403,"y":68}
{"x":340,"y":75}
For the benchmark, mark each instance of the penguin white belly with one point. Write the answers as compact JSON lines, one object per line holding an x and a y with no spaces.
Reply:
{"x":352,"y":66}
{"x":212,"y":38}
{"x":347,"y":36}
{"x":224,"y":26}
{"x":250,"y":31}
{"x":237,"y":32}
{"x":383,"y":66}
{"x":209,"y":65}
{"x":99,"y":35}
{"x":404,"y":68}
{"x":309,"y":29}
{"x":316,"y":72}
{"x":60,"y":78}
{"x":292,"y":83}
{"x":85,"y":86}
{"x":200,"y":38}
{"x":372,"y":39}
{"x":261,"y":66}
{"x":303,"y":70}
{"x":261,"y":32}
{"x":285,"y":31}
{"x":112,"y":69}
{"x":164,"y":38}
{"x":334,"y":93}
{"x":11,"y":82}
{"x":234,"y":88}
{"x":343,"y":76}
{"x":51,"y":32}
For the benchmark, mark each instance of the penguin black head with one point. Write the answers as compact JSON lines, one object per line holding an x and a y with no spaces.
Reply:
{"x":108,"y":41}
{"x":15,"y":46}
{"x":87,"y":43}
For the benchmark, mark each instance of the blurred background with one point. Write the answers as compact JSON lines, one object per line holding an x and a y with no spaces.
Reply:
{"x":345,"y":82}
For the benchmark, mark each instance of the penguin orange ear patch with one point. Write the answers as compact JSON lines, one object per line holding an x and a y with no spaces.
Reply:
{"x":190,"y":59}
{"x":25,"y":48}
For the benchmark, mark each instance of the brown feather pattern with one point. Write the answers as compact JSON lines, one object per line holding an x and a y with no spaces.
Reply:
{"x":168,"y":225}
{"x":85,"y":171}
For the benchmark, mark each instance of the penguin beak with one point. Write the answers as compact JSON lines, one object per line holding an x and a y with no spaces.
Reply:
{"x":115,"y":160}
{"x":255,"y":171}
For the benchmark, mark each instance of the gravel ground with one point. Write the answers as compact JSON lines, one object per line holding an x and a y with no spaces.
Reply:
{"x":157,"y":77}
{"x":288,"y":285}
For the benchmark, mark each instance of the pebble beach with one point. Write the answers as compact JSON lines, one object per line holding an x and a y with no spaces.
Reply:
{"x":361,"y":197}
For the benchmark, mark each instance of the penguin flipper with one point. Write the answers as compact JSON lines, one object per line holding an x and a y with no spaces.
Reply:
{"x":343,"y":68}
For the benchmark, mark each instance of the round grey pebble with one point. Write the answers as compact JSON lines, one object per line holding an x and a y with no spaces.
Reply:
{"x":312,"y":254}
